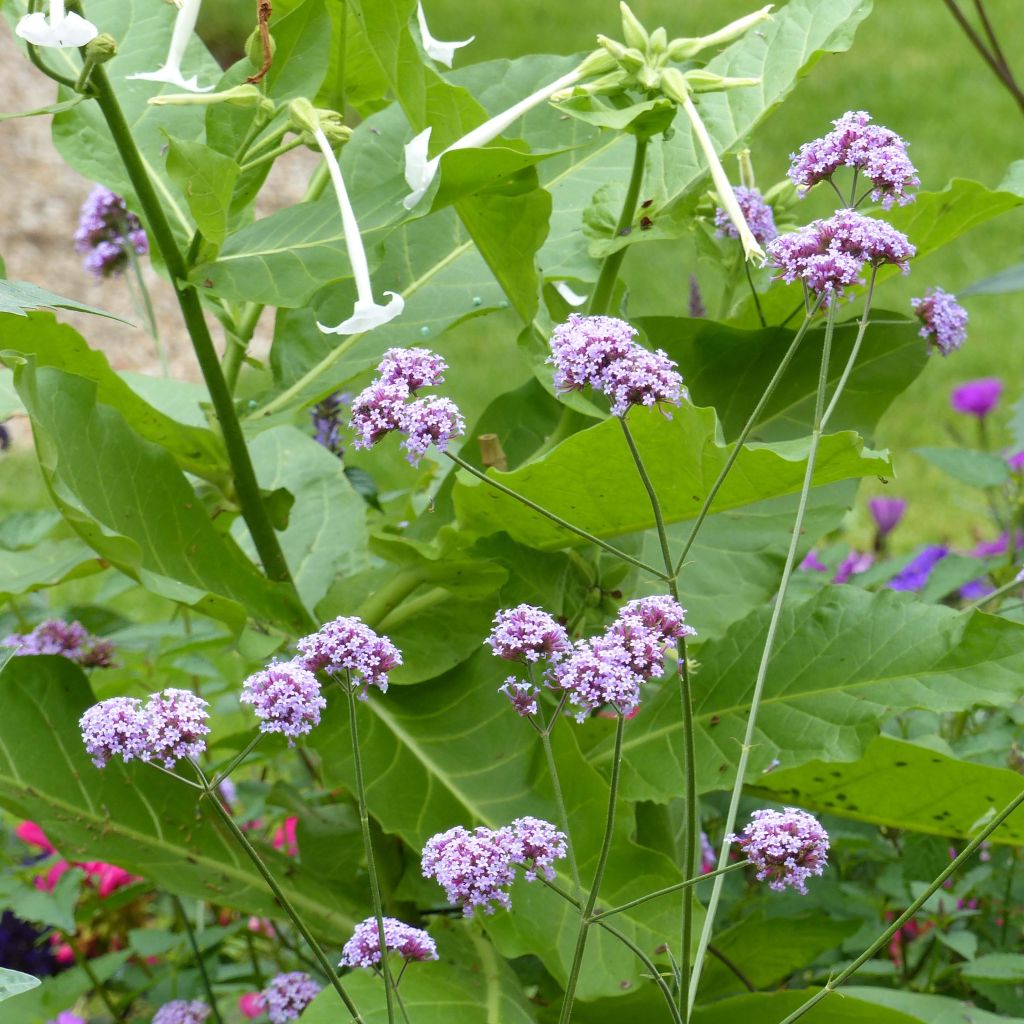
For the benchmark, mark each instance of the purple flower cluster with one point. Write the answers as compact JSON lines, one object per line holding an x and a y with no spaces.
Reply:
{"x":172,"y":725}
{"x":878,"y":153}
{"x":181,"y":1011}
{"x":599,"y":352}
{"x":286,"y":698}
{"x":476,"y":868}
{"x":887,"y":513}
{"x":326,"y":416}
{"x":287,"y":995}
{"x":363,"y":949}
{"x":69,"y":640}
{"x":527,"y":633}
{"x":977,"y":397}
{"x":348,"y":646}
{"x":914,"y":575}
{"x":828,"y":256}
{"x":787,"y":847}
{"x":385,"y":404}
{"x":757,"y":213}
{"x":107,"y":232}
{"x":943,"y":320}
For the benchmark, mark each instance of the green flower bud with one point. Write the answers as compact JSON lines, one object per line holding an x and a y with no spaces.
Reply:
{"x":239,"y":96}
{"x":596,"y":63}
{"x":659,"y":41}
{"x":707,"y":81}
{"x":673,"y":85}
{"x":332,"y":124}
{"x":747,"y":179}
{"x":254,"y":48}
{"x":303,"y":114}
{"x":684,"y":49}
{"x":632,"y":31}
{"x":101,"y":49}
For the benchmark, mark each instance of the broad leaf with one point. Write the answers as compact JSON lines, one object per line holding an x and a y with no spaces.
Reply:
{"x":1009,"y":280}
{"x":46,"y":565}
{"x":56,"y":994}
{"x":13,"y":983}
{"x":771,"y":1007}
{"x":927,"y":1008}
{"x":302,"y":44}
{"x":206,"y":178}
{"x":18,"y":297}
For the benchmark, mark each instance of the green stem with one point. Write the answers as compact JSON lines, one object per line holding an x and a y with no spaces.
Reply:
{"x":753,"y":292}
{"x":257,"y":973}
{"x":669,"y":889}
{"x":271,"y":154}
{"x":540,"y":510}
{"x":883,"y":939}
{"x":659,"y":518}
{"x":246,"y":485}
{"x":82,"y":962}
{"x":769,"y":644}
{"x":600,"y":299}
{"x":147,"y":307}
{"x":563,"y":816}
{"x":200,"y":962}
{"x":744,"y":433}
{"x":237,"y":759}
{"x":586,"y":914}
{"x":862,"y":328}
{"x":371,"y":867}
{"x":338,"y":91}
{"x":1006,"y":588}
{"x":250,"y":851}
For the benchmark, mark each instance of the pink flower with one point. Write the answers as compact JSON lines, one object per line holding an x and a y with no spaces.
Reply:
{"x":284,"y":838}
{"x":251,"y":1004}
{"x":48,"y":882}
{"x":29,"y":832}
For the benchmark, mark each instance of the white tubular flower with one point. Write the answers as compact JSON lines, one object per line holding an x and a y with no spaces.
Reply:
{"x":563,"y":288}
{"x":437,"y":49}
{"x":420,"y":172}
{"x":684,"y":49}
{"x":58,"y":29}
{"x":184,"y":26}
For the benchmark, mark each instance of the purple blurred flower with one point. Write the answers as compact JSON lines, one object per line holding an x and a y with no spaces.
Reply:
{"x":1016,"y":461}
{"x":414,"y":367}
{"x":878,"y":153}
{"x":695,"y":303}
{"x":326,"y":417}
{"x":474,"y":868}
{"x":116,"y":727}
{"x":175,"y":725}
{"x":23,"y":947}
{"x":887,"y":513}
{"x":430,"y":421}
{"x":286,"y":698}
{"x":348,"y":645}
{"x":107,"y":231}
{"x":287,"y":995}
{"x":977,"y":397}
{"x":5,"y":438}
{"x":67,"y":1017}
{"x":708,"y":859}
{"x":943,"y":320}
{"x":812,"y":563}
{"x":758,"y":214}
{"x":363,"y":949}
{"x":181,"y":1011}
{"x":69,"y":640}
{"x":527,"y":633}
{"x":787,"y":847}
{"x":914,"y":575}
{"x":853,"y":564}
{"x":997,"y":546}
{"x":522,"y":696}
{"x":976,"y":589}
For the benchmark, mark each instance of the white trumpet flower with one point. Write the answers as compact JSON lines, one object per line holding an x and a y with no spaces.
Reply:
{"x":565,"y":290}
{"x":420,"y":171}
{"x":59,"y":28}
{"x":184,"y":26}
{"x":437,"y":49}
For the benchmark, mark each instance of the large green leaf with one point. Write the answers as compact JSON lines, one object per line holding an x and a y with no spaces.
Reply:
{"x":927,"y":1008}
{"x":302,"y":43}
{"x":590,"y":479}
{"x":18,"y":297}
{"x":13,"y":983}
{"x":885,"y":784}
{"x":771,"y":1007}
{"x":45,"y":565}
{"x":134,"y":817}
{"x":207,"y":180}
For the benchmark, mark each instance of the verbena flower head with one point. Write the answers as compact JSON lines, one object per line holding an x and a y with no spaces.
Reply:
{"x":585,"y":346}
{"x":474,"y":868}
{"x":376,"y":411}
{"x":758,"y":214}
{"x":915,"y":574}
{"x":326,"y":416}
{"x":182,"y":1011}
{"x":107,"y":232}
{"x":287,"y":995}
{"x":116,"y":727}
{"x":430,"y":421}
{"x":527,"y":633}
{"x":522,"y":696}
{"x":943,"y":320}
{"x":787,"y":847}
{"x":600,"y":671}
{"x":363,"y":949}
{"x":540,"y":844}
{"x":878,"y":153}
{"x":68,"y":640}
{"x":977,"y":397}
{"x":887,"y":513}
{"x":348,"y":645}
{"x":286,"y":698}
{"x":414,"y":367}
{"x":661,"y":613}
{"x":642,"y":378}
{"x":176,"y":726}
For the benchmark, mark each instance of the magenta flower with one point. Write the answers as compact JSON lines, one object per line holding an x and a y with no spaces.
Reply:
{"x":286,"y":698}
{"x":348,"y":646}
{"x":787,"y":847}
{"x":527,"y":633}
{"x":977,"y":397}
{"x":943,"y":320}
{"x":181,"y":1011}
{"x":287,"y":995}
{"x":430,"y":421}
{"x":812,"y":563}
{"x":853,"y":564}
{"x":67,"y":1017}
{"x":758,"y":214}
{"x":250,"y":1005}
{"x":363,"y":949}
{"x":887,"y":513}
{"x":116,"y":727}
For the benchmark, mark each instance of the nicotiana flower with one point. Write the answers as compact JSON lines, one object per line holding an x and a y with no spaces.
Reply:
{"x":287,"y":995}
{"x":348,"y":645}
{"x":69,"y":640}
{"x":181,"y":1011}
{"x":442,"y":52}
{"x":184,"y":26}
{"x":116,"y":727}
{"x":564,"y":289}
{"x":527,"y":633}
{"x":59,"y":28}
{"x":887,"y":513}
{"x":977,"y":397}
{"x":757,"y":213}
{"x":286,"y":698}
{"x":176,"y":725}
{"x":429,"y":421}
{"x":877,"y":153}
{"x":363,"y":949}
{"x":787,"y":847}
{"x":914,"y":575}
{"x":943,"y":320}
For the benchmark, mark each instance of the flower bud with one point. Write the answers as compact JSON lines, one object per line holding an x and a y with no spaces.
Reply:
{"x":747,"y":179}
{"x":101,"y":49}
{"x":596,"y":63}
{"x":674,"y":85}
{"x":332,"y":124}
{"x":684,"y":49}
{"x":659,"y":41}
{"x":303,"y":114}
{"x":254,"y":48}
{"x":707,"y":81}
{"x":238,"y":96}
{"x":632,"y":31}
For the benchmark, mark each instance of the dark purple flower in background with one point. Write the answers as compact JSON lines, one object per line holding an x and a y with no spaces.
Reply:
{"x":326,"y":416}
{"x":787,"y":847}
{"x":943,"y":320}
{"x":977,"y":397}
{"x":887,"y":513}
{"x":991,"y":548}
{"x":758,"y":214}
{"x":24,"y":948}
{"x":976,"y":589}
{"x":69,"y":640}
{"x":878,"y":154}
{"x":363,"y":949}
{"x":853,"y":564}
{"x":812,"y":563}
{"x":5,"y":438}
{"x":695,"y":303}
{"x":914,"y":575}
{"x":1016,"y":461}
{"x":107,"y":233}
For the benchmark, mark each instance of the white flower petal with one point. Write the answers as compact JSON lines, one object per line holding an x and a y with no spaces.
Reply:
{"x":173,"y":76}
{"x":71,"y":30}
{"x":368,"y":315}
{"x":419,"y":171}
{"x":437,"y":49}
{"x":563,"y":289}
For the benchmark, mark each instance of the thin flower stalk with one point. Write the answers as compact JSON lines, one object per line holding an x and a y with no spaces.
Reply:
{"x":184,"y":26}
{"x":669,"y":889}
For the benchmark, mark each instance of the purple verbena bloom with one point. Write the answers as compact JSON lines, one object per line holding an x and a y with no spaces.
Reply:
{"x":695,"y":303}
{"x":67,"y":1017}
{"x":661,"y":613}
{"x":286,"y":698}
{"x":326,"y":417}
{"x":522,"y":696}
{"x":976,"y":589}
{"x":106,"y":233}
{"x":474,"y":868}
{"x":600,"y":671}
{"x":68,"y":640}
{"x":414,"y":367}
{"x":787,"y":847}
{"x":585,"y":346}
{"x":645,"y":646}
{"x":812,"y":563}
{"x":977,"y":397}
{"x":363,"y":949}
{"x":990,"y":548}
{"x":853,"y":564}
{"x":182,"y":1011}
{"x":376,"y":411}
{"x":287,"y":995}
{"x":887,"y":513}
{"x":430,"y":421}
{"x":642,"y":377}
{"x":914,"y":575}
{"x":348,"y":645}
{"x":757,"y":213}
{"x":540,"y":844}
{"x":1016,"y":461}
{"x":116,"y":727}
{"x":176,"y":725}
{"x":708,"y":859}
{"x":527,"y":633}
{"x":943,"y":320}
{"x":878,"y":153}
